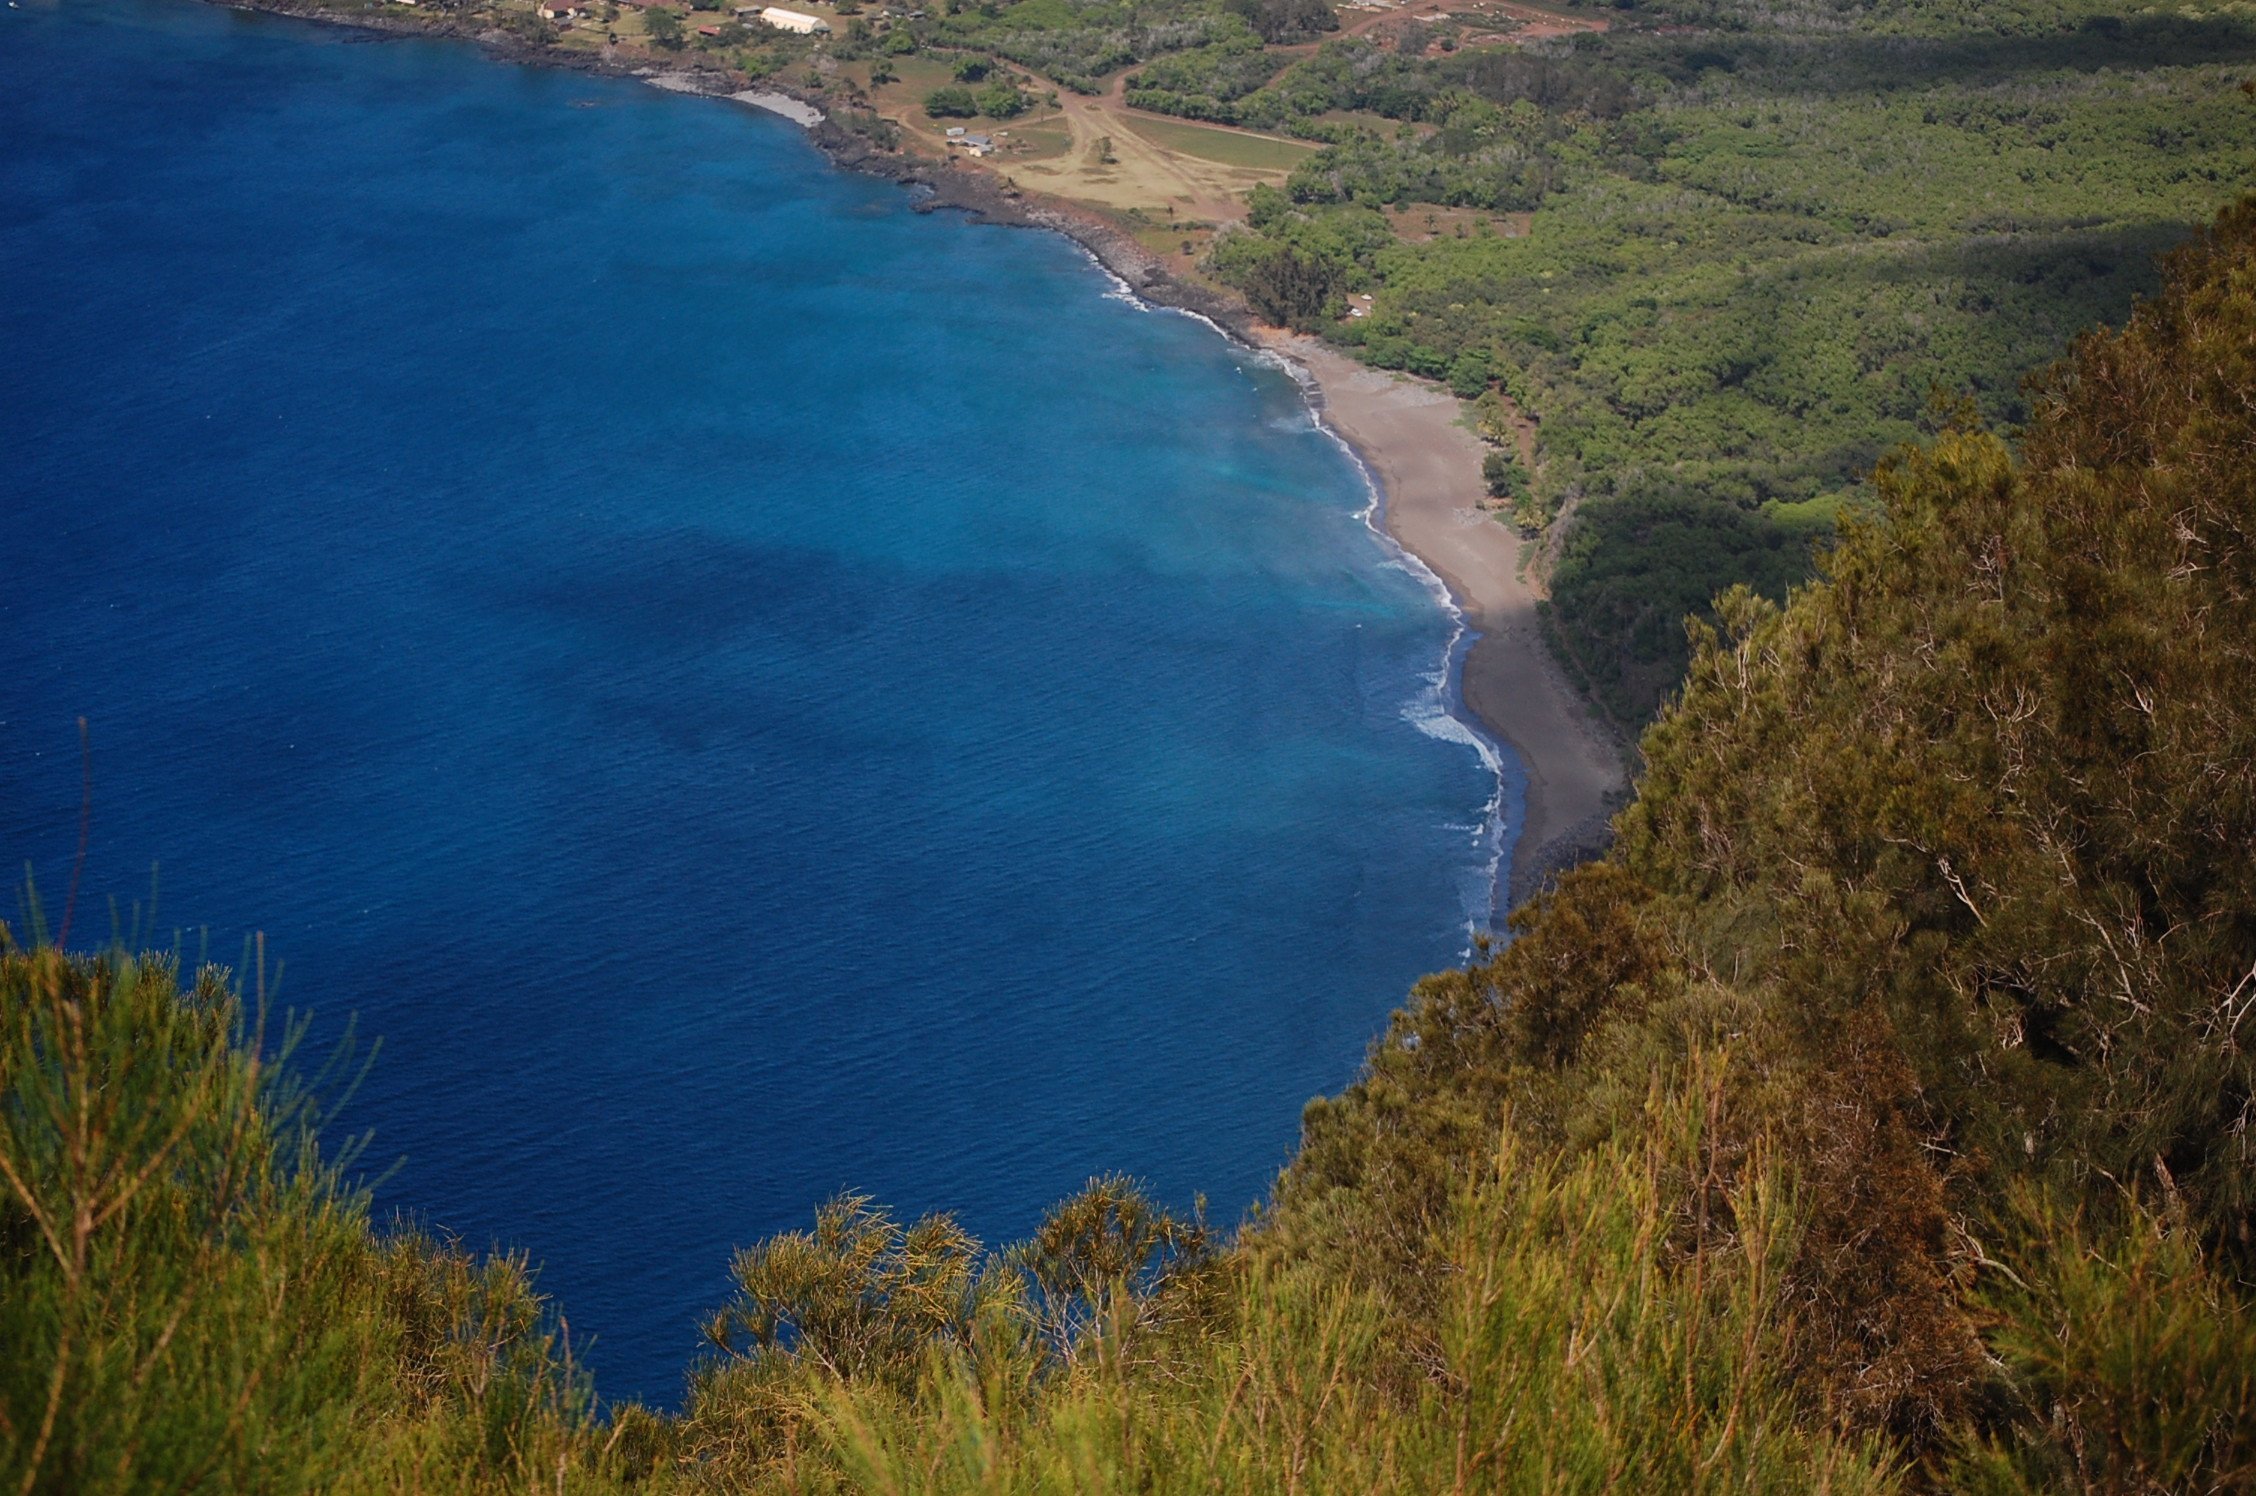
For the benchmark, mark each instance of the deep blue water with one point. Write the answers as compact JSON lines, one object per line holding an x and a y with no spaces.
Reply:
{"x":748,"y":689}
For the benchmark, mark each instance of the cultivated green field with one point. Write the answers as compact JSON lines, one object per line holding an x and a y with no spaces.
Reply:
{"x":1229,"y":147}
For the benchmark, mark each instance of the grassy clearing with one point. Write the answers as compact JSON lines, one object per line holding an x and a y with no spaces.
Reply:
{"x":1226,"y":147}
{"x":902,"y":99}
{"x":1040,"y":142}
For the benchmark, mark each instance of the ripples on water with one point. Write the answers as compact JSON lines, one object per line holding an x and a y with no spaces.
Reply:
{"x":750,"y":691}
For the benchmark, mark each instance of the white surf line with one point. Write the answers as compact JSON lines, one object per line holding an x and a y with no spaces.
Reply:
{"x":1441,"y":718}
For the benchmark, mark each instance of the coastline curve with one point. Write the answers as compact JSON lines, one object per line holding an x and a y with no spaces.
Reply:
{"x":1423,"y":465}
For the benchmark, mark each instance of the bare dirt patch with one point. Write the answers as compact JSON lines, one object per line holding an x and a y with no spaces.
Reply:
{"x":1158,"y":168}
{"x":1487,"y":22}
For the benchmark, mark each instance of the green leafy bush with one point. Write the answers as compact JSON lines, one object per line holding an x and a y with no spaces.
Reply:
{"x":1003,"y":99}
{"x":951,"y":101}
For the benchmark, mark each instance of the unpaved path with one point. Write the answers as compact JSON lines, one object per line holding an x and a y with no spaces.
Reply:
{"x":1142,"y":174}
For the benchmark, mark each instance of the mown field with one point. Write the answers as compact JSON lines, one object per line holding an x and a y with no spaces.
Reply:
{"x":1229,"y":147}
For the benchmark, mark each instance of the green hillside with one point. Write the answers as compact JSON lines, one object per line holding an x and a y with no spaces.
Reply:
{"x":1875,"y":1118}
{"x":1726,"y":254}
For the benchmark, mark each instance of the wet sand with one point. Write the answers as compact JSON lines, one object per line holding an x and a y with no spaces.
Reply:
{"x":1430,"y":469}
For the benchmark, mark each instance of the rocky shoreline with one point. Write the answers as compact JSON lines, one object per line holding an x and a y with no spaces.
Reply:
{"x":1546,"y":849}
{"x":945,"y":185}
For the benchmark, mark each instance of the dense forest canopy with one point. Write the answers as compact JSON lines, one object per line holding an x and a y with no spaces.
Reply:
{"x":1874,"y":1118}
{"x":1751,"y":255}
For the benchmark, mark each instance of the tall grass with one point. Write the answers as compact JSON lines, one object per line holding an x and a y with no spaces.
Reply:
{"x":1617,"y":1323}
{"x":191,"y":1298}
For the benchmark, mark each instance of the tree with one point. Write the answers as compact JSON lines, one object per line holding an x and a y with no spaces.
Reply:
{"x":1002,"y":100}
{"x":860,"y":1295}
{"x":1468,"y":374}
{"x":1286,"y":20}
{"x":951,"y":101}
{"x":1502,"y":472}
{"x":1106,"y":1250}
{"x":1291,"y":288}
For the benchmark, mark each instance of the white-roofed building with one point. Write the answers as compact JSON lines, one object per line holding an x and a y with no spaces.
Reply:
{"x":794,"y":20}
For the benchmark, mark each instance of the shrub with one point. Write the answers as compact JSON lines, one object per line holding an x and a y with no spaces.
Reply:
{"x":951,"y":101}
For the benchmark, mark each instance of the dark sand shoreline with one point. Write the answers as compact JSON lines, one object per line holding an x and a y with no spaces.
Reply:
{"x":1428,"y":467}
{"x":1406,"y":431}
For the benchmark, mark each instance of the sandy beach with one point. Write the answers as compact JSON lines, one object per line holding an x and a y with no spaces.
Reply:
{"x":1430,"y":468}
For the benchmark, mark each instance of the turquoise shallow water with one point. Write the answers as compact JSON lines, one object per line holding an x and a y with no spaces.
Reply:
{"x":748,"y":689}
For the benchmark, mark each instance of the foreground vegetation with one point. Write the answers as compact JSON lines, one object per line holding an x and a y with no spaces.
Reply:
{"x":1875,"y":1118}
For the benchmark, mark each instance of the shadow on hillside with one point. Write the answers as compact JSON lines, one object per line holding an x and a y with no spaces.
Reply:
{"x":1837,"y":64}
{"x":2048,"y":257}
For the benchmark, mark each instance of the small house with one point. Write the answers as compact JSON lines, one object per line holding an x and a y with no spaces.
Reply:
{"x":559,"y":10}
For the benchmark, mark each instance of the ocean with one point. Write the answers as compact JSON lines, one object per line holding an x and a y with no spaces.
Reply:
{"x":749,"y":691}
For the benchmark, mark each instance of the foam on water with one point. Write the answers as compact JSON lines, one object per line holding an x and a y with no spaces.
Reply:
{"x":1437,"y":709}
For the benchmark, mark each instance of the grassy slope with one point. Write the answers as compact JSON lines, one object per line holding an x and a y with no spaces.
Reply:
{"x":1230,"y":147}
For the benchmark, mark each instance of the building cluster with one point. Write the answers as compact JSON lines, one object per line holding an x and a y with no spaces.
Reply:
{"x":796,"y":21}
